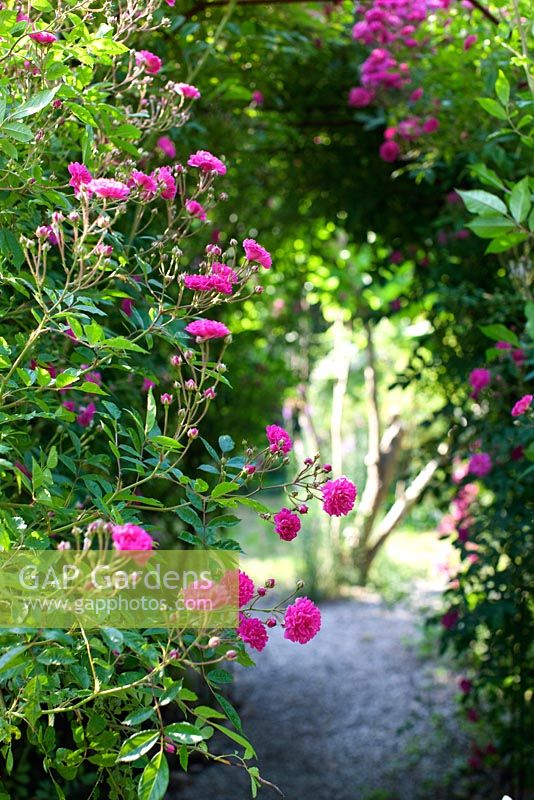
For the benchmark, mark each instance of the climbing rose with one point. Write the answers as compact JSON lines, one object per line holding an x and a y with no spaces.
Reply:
{"x":187,"y":90}
{"x":80,"y":175}
{"x":198,"y":283}
{"x":43,"y":37}
{"x":257,"y":98}
{"x":246,"y":589}
{"x":108,"y":188}
{"x":389,"y":151}
{"x":522,"y":405}
{"x":205,"y":329}
{"x":252,"y":631}
{"x":207,"y":162}
{"x":302,"y":621}
{"x":449,"y":619}
{"x":86,"y":416}
{"x":195,"y":209}
{"x":131,"y":537}
{"x":480,"y":464}
{"x":255,"y":252}
{"x":478,"y":380}
{"x":518,"y":356}
{"x":127,"y":305}
{"x":222,"y":277}
{"x":165,"y":178}
{"x":148,"y":60}
{"x":166,"y":145}
{"x":286,"y":524}
{"x":279,"y":439}
{"x":359,"y":98}
{"x":339,"y":496}
{"x":465,"y":685}
{"x":147,"y":385}
{"x":146,"y":183}
{"x":430,"y":125}
{"x":469,"y":41}
{"x":416,"y":95}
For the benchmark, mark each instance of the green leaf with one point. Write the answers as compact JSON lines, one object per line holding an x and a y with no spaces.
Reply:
{"x":487,"y":176}
{"x":519,"y":201}
{"x":107,"y":47}
{"x":7,"y":659}
{"x":35,"y":104}
{"x":66,"y":378}
{"x":219,"y":676}
{"x":90,"y":387}
{"x":224,"y":488}
{"x":184,"y":757}
{"x":166,"y":442}
{"x":499,"y":333}
{"x":137,"y":717}
{"x":254,"y":504}
{"x":490,"y":227}
{"x":492,"y":107}
{"x":502,"y":88}
{"x":94,"y":333}
{"x":184,"y":733}
{"x":502,"y":243}
{"x":226,"y":443}
{"x":154,"y":780}
{"x":481,"y":202}
{"x":137,"y":745}
{"x":229,"y":710}
{"x":236,"y":737}
{"x":206,"y":712}
{"x":17,"y":131}
{"x":122,"y":343}
{"x":187,"y":514}
{"x":83,"y":114}
{"x":529,"y":314}
{"x":150,"y":412}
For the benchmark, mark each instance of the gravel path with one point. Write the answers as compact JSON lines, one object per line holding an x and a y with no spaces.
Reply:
{"x":355,"y":714}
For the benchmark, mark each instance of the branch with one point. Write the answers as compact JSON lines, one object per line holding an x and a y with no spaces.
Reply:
{"x":484,"y":11}
{"x":402,"y":506}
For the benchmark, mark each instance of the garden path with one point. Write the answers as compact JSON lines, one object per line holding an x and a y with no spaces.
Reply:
{"x":357,"y":714}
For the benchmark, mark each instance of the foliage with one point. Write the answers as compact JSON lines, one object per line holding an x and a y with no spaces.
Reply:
{"x":488,"y":619}
{"x":108,"y":366}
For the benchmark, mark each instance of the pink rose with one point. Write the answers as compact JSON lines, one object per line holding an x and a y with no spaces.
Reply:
{"x":522,"y":405}
{"x":359,"y":97}
{"x":206,"y":162}
{"x":131,"y":537}
{"x":204,"y":329}
{"x":389,"y":151}
{"x":108,"y":188}
{"x":166,"y":145}
{"x":286,"y":525}
{"x":302,"y":621}
{"x":255,"y":252}
{"x":187,"y":90}
{"x":279,"y":439}
{"x":149,"y":61}
{"x":339,"y":496}
{"x":252,"y":631}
